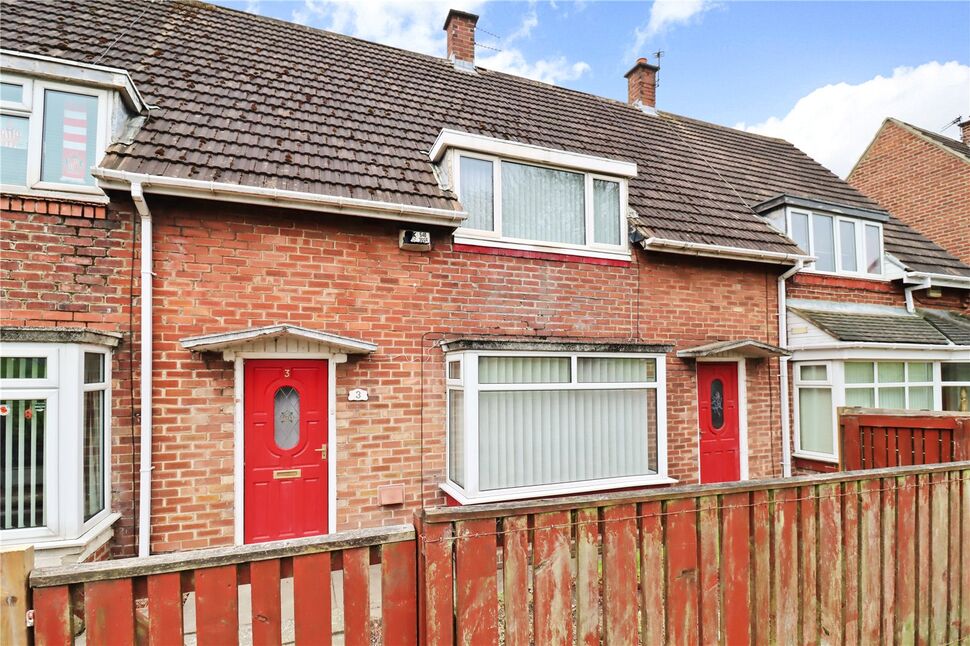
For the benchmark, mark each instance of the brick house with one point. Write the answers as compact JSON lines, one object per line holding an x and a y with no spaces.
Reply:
{"x":923,"y":178}
{"x":263,"y":281}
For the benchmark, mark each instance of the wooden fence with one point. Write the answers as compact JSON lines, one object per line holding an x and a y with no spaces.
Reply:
{"x":129,"y":601}
{"x":872,"y":557}
{"x":878,"y":556}
{"x":875,"y":438}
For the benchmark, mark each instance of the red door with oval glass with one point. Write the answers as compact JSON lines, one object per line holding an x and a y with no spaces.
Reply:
{"x":720,"y":444}
{"x":286,"y":471}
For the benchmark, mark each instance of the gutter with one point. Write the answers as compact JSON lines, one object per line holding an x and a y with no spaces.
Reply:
{"x":718,"y":251}
{"x":109,"y":179}
{"x":145,"y":383}
{"x":783,"y":367}
{"x":937,"y":280}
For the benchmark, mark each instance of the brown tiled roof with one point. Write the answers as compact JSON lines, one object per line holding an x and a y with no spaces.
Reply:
{"x":875,"y":328}
{"x":255,"y":101}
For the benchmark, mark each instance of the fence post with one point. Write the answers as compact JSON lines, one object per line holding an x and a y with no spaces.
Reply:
{"x":961,"y":439}
{"x":15,"y":567}
{"x":850,"y":449}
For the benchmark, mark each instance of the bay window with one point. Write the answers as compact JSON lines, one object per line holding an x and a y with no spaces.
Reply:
{"x":51,"y":135}
{"x":530,"y":205}
{"x":526,"y":424}
{"x":840,"y":244}
{"x":822,"y":387}
{"x":54,"y":430}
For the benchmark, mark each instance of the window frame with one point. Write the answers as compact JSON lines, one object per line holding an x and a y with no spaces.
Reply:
{"x":939,"y":384}
{"x":34,"y":108}
{"x":464,"y":235}
{"x":859,"y":226}
{"x":906,"y":384}
{"x":471,"y":493}
{"x":831,"y":381}
{"x":64,"y":390}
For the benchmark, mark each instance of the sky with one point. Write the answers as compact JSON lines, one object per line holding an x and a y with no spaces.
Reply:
{"x":822,"y":75}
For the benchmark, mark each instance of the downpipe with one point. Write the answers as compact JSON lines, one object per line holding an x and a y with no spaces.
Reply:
{"x":145,"y":456}
{"x":783,"y":367}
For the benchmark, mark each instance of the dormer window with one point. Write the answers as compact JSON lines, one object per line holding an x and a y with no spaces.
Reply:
{"x":52,"y":135}
{"x":524,"y":197}
{"x":57,"y":118}
{"x":841,"y":245}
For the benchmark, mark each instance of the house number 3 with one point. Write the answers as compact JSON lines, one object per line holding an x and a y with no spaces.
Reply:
{"x":286,"y":372}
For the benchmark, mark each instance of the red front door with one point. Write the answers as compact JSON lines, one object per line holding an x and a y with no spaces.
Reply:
{"x":717,"y":404}
{"x":286,"y":475}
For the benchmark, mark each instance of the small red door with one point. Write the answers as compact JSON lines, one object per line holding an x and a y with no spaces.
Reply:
{"x":717,"y":403}
{"x":285,"y":426}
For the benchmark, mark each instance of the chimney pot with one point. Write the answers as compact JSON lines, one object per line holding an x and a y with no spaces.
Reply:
{"x":965,"y":131}
{"x":642,"y":84}
{"x":460,"y":27}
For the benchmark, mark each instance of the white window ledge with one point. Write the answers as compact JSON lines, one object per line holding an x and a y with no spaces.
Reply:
{"x":463,"y":237}
{"x":95,"y":196}
{"x":552,"y":491}
{"x":49,"y":553}
{"x":816,"y":457}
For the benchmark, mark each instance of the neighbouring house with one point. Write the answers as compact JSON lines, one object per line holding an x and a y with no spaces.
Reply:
{"x":262,"y":281}
{"x":922,"y":178}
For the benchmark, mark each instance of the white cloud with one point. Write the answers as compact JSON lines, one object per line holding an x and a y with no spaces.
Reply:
{"x":417,"y":26}
{"x":665,"y":14}
{"x":835,"y":123}
{"x":551,"y":70}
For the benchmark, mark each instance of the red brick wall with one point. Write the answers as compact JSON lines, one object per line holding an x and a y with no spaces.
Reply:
{"x":71,"y":265}
{"x":870,"y":292}
{"x":921,"y":184}
{"x":224,"y":267}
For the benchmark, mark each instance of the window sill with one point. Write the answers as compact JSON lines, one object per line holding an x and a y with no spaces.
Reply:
{"x":93,"y":197}
{"x":815,"y":457}
{"x":876,"y":278}
{"x":541,"y":250}
{"x":552,"y":491}
{"x":58,"y":551}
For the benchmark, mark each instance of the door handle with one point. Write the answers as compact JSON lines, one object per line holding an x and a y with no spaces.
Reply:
{"x":323,"y":452}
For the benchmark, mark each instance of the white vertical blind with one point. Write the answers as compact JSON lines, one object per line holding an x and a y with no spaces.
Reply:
{"x":523,"y":370}
{"x":456,"y":436}
{"x":606,"y":212}
{"x":823,"y":235}
{"x":538,"y":437}
{"x":543,"y":204}
{"x":477,"y":193}
{"x":815,"y":419}
{"x":22,"y":437}
{"x":93,"y":449}
{"x":847,"y":245}
{"x":611,"y":370}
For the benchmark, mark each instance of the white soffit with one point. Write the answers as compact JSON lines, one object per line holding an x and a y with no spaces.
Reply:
{"x":448,"y":139}
{"x":238,"y":339}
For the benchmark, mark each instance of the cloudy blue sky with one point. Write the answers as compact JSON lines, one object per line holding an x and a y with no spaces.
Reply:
{"x":821,"y":74}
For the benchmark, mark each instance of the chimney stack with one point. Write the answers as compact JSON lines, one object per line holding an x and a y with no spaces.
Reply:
{"x":965,"y":131}
{"x":460,"y":27}
{"x":642,"y":84}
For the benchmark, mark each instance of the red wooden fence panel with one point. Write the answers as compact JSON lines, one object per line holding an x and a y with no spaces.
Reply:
{"x":53,"y":619}
{"x":216,"y":606}
{"x":357,"y":596}
{"x":264,"y":579}
{"x":476,"y":581}
{"x":109,"y":616}
{"x":311,"y":599}
{"x":587,"y":579}
{"x":553,"y":580}
{"x":399,"y":594}
{"x":165,"y":609}
{"x":876,"y":439}
{"x":620,"y":575}
{"x":515,"y":575}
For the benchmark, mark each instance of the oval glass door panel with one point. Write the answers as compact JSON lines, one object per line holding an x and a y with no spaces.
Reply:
{"x":717,"y":403}
{"x":286,"y":417}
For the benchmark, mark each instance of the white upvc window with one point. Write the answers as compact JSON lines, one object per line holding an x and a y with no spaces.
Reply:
{"x":955,"y":386}
{"x":533,"y":424}
{"x":821,"y":387}
{"x":532,"y":206}
{"x":51,"y":135}
{"x":889,"y":384}
{"x":841,"y":245}
{"x":815,"y":416}
{"x":54,"y":440}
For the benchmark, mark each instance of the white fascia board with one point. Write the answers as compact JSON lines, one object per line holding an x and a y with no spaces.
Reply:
{"x":448,"y":139}
{"x":60,"y":69}
{"x":718,"y":251}
{"x":870,"y":351}
{"x":936,"y":280}
{"x":109,"y":179}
